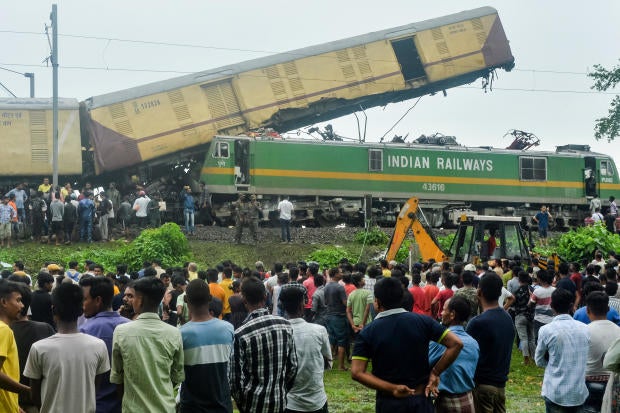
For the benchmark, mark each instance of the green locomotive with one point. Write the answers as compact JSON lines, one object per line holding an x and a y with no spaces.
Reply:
{"x":331,"y":181}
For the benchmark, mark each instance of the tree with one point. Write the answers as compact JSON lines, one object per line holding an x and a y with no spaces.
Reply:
{"x":607,"y":127}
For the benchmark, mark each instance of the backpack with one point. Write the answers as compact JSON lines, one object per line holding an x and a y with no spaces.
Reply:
{"x":39,"y":206}
{"x":105,"y":206}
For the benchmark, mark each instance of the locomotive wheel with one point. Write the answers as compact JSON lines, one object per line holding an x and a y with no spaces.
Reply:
{"x":325,"y":221}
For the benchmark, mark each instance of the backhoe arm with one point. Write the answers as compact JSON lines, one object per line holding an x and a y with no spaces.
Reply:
{"x":408,"y":219}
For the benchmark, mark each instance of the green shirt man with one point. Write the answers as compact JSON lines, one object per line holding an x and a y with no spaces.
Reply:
{"x":142,"y":363}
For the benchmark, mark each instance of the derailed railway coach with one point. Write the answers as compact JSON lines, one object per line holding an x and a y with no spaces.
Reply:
{"x":26,"y":136}
{"x":333,"y":182}
{"x":294,"y":89}
{"x":142,"y":130}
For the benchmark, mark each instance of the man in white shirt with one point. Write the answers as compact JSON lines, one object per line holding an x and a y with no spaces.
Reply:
{"x":52,"y":369}
{"x":140,"y":205}
{"x":597,"y":216}
{"x":313,"y":353}
{"x":286,"y":214}
{"x":613,"y":207}
{"x":595,"y":203}
{"x":602,"y":334}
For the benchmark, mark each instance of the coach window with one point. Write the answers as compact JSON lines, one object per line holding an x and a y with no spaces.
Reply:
{"x":533,"y":169}
{"x":221,"y":150}
{"x":375,"y":160}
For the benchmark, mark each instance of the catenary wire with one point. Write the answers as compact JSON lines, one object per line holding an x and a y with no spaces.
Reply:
{"x":591,"y":92}
{"x":233,"y":49}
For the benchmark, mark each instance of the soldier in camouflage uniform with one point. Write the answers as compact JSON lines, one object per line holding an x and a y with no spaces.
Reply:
{"x":255,"y":216}
{"x":244,"y":213}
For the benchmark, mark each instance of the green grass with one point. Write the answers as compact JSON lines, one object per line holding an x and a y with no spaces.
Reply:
{"x":522,"y":390}
{"x":346,"y":395}
{"x":523,"y":387}
{"x":206,"y":254}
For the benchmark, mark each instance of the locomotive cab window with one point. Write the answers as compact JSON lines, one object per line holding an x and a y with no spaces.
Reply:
{"x":375,"y":160}
{"x":606,"y":168}
{"x":533,"y":168}
{"x":221,"y":150}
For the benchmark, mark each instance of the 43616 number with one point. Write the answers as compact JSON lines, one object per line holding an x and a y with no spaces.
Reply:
{"x":427,"y":186}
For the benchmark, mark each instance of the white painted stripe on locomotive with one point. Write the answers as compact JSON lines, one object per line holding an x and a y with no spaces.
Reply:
{"x":519,"y":199}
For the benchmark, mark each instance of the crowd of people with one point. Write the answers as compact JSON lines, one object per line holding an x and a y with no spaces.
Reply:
{"x":64,"y":215}
{"x":439,"y":335}
{"x":608,"y":216}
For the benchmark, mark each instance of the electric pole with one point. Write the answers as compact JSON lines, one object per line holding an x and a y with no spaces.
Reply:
{"x":54,"y":19}
{"x":31,"y":77}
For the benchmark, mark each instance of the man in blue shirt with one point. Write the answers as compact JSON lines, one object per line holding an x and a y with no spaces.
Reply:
{"x":457,"y":381}
{"x":207,"y":344}
{"x":101,"y":322}
{"x":397,"y":343}
{"x":542,"y":219}
{"x":86,"y":215}
{"x":581,"y":313}
{"x":562,"y":351}
{"x":188,"y":209}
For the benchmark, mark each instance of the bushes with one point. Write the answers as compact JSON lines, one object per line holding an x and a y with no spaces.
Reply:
{"x":580,"y":244}
{"x":445,"y":241}
{"x":373,"y":236}
{"x":403,"y":252}
{"x":330,"y":257}
{"x":166,"y":243}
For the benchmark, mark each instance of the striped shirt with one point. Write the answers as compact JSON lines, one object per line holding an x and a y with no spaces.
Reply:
{"x":206,"y":348}
{"x":542,"y":297}
{"x":263,"y":363}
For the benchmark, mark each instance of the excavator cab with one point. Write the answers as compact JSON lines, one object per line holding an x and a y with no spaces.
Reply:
{"x":478,"y":238}
{"x":482,"y":238}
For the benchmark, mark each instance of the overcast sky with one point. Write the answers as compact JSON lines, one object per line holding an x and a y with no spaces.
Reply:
{"x":555,"y":43}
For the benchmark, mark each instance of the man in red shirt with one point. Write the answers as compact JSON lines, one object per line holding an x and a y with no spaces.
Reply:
{"x":420,"y":305}
{"x":448,"y":280}
{"x":576,"y":277}
{"x":431,"y":290}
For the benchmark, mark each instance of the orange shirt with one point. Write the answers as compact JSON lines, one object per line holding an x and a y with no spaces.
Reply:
{"x":431,"y":291}
{"x":349,"y":288}
{"x":11,"y":203}
{"x":218,"y":292}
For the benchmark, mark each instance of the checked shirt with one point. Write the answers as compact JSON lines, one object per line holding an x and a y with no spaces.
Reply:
{"x":263,"y":365}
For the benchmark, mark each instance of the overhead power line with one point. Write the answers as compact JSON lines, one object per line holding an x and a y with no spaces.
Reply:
{"x":112,"y":69}
{"x":7,"y":89}
{"x":13,"y":71}
{"x":234,"y":49}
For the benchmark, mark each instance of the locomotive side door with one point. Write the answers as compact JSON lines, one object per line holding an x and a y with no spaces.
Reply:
{"x":590,"y":176}
{"x":242,"y":164}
